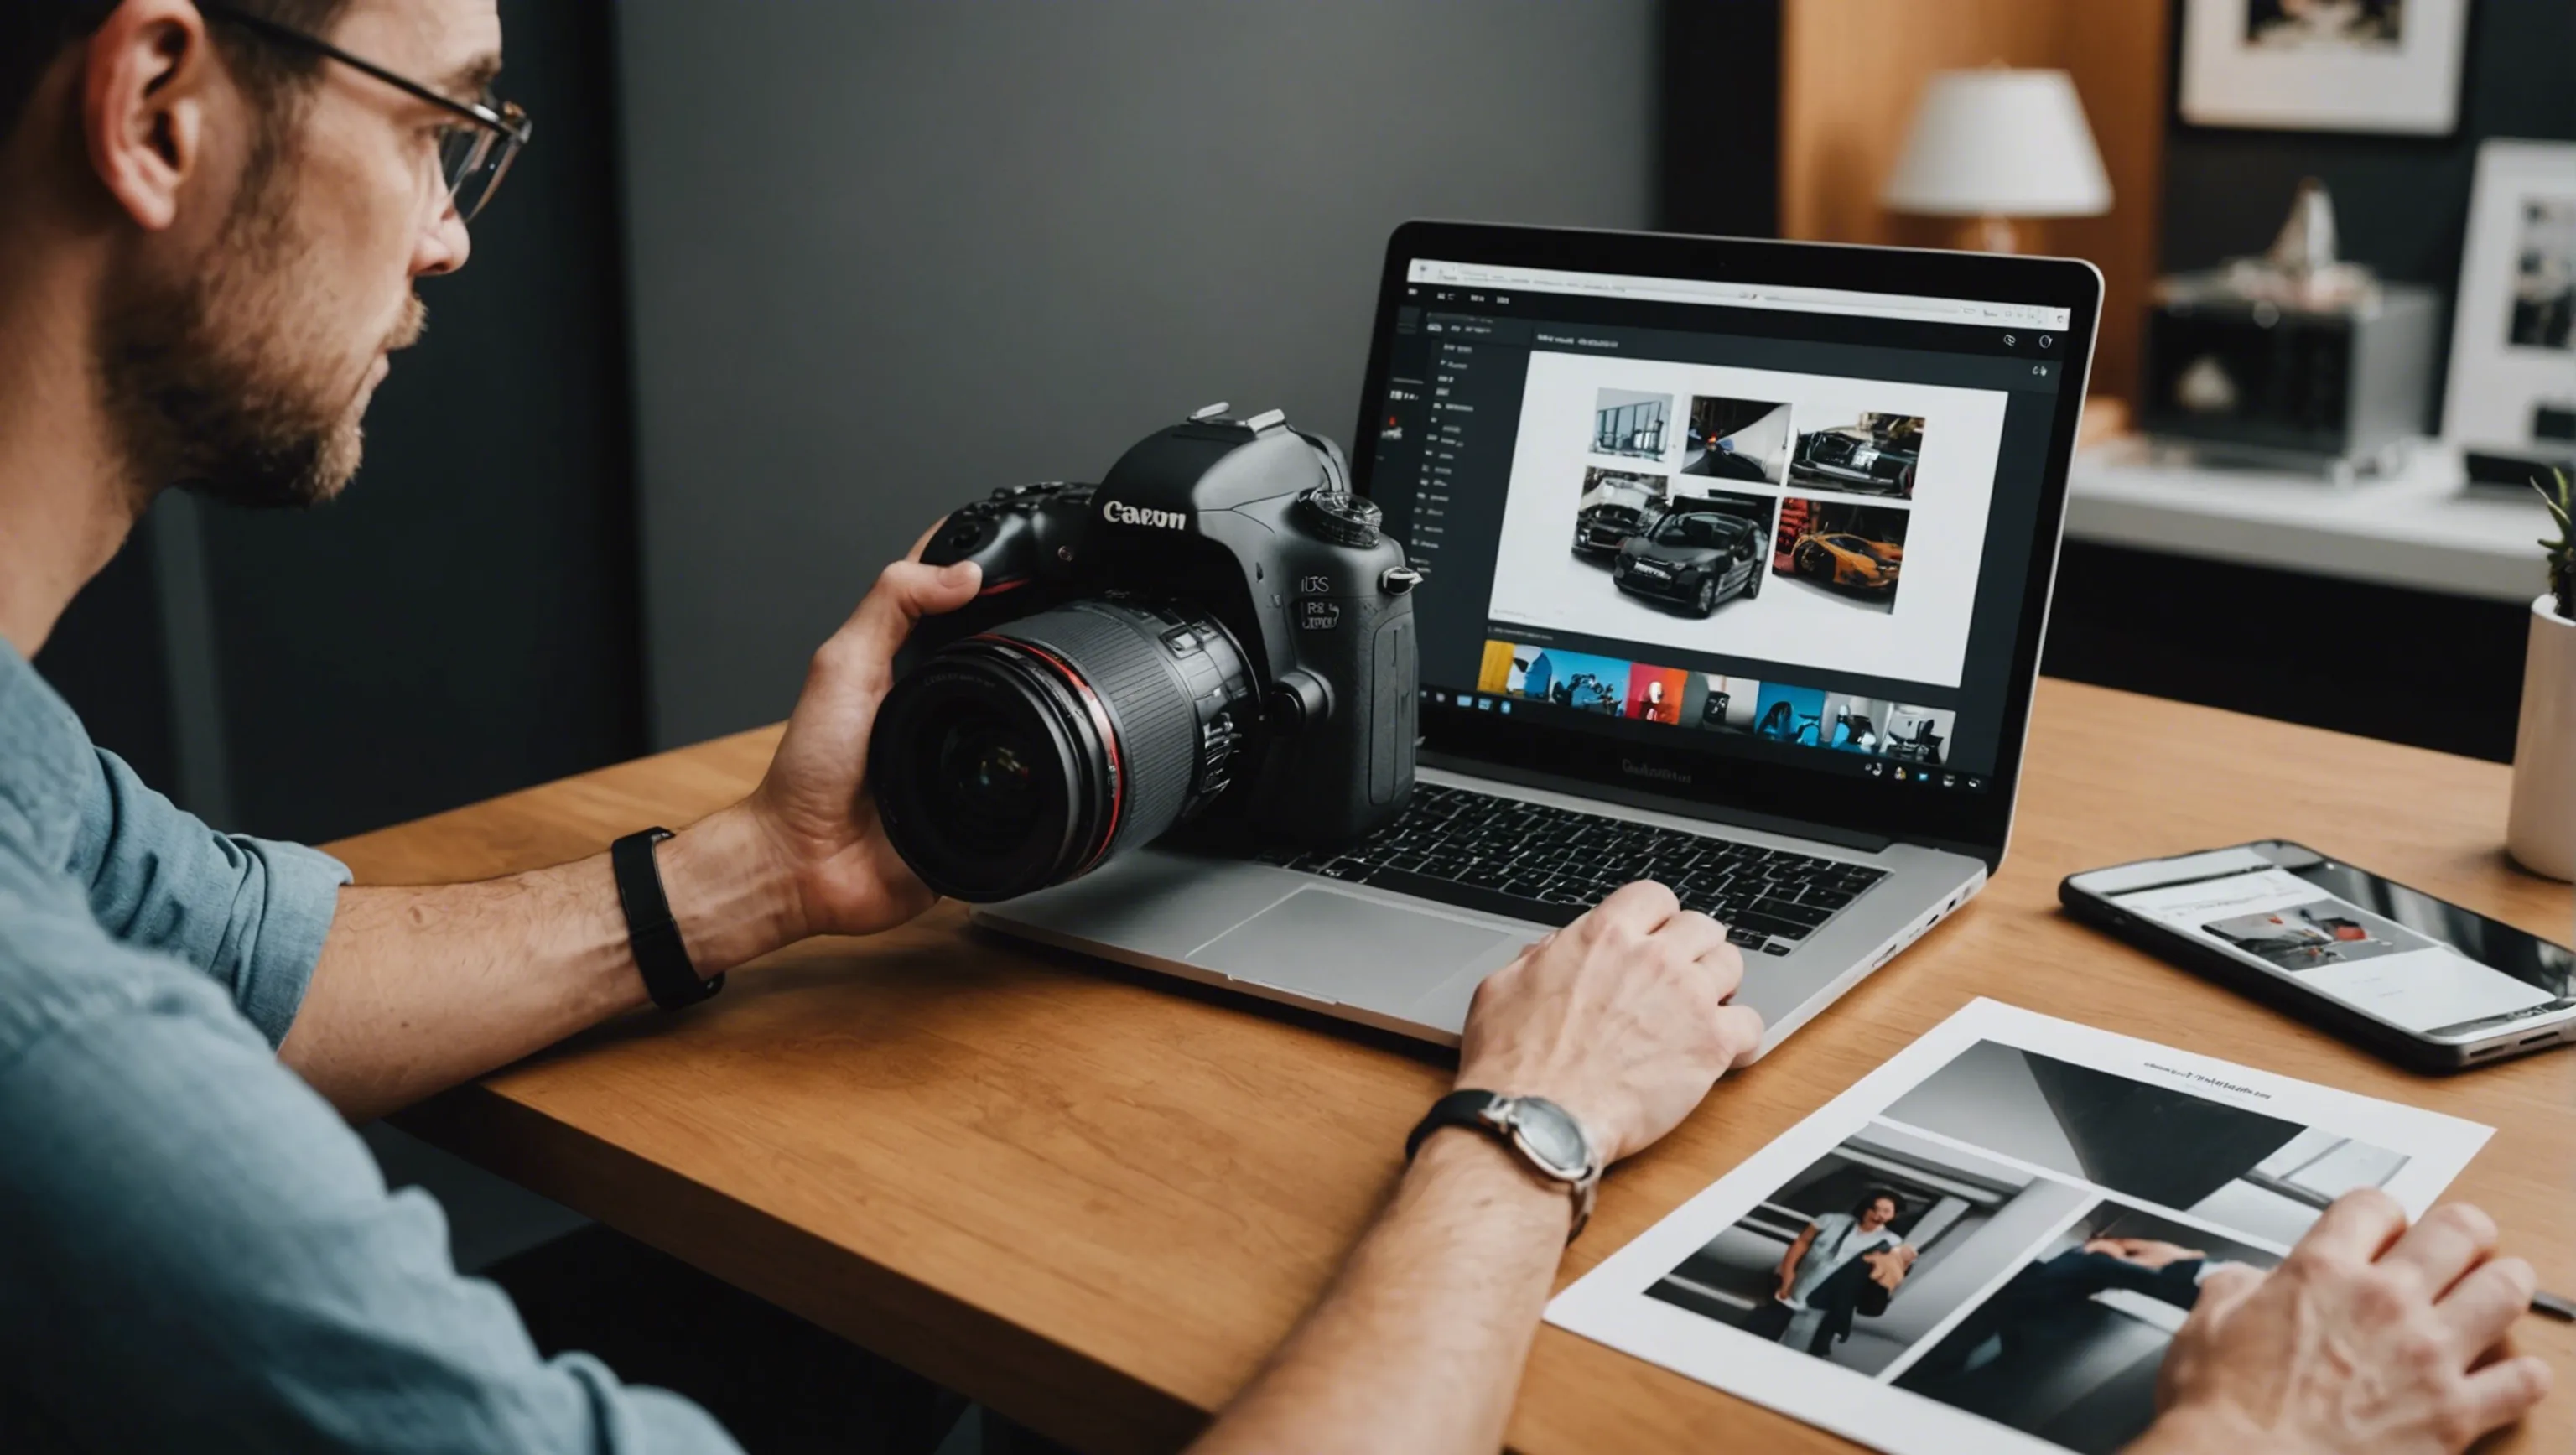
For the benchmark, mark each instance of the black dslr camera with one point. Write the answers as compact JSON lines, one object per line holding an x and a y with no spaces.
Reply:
{"x":1219,"y":627}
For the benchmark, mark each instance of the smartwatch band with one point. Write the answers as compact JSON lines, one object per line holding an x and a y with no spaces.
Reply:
{"x":661,"y":956}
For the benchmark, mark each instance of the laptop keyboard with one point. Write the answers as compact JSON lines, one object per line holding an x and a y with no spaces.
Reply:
{"x":1536,"y":862}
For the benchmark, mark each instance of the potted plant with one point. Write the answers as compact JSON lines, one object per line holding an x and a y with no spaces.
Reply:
{"x":2543,"y":830}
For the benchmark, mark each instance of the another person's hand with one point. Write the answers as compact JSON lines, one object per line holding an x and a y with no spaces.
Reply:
{"x":2370,"y":1336}
{"x":813,"y":807}
{"x":1888,"y":1269}
{"x":2148,"y":1253}
{"x":1620,"y":1017}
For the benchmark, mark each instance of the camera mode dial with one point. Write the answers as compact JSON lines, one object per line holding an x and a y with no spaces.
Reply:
{"x":1340,"y":517}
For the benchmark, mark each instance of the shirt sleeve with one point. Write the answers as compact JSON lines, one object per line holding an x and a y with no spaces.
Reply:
{"x":251,"y":913}
{"x":199,"y":1255}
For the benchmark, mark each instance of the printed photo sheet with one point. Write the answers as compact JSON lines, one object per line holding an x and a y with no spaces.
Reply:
{"x":1988,"y":1243}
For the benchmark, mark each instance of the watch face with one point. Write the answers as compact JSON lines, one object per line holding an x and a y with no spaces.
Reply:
{"x":1551,"y":1135}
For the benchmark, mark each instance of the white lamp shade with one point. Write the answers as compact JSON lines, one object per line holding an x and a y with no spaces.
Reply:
{"x":1999,"y":143}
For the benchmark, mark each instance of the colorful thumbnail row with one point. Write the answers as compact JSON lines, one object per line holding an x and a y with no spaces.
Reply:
{"x":1711,"y":702}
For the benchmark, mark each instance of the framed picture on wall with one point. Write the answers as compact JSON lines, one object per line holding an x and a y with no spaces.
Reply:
{"x":2512,"y":388}
{"x":2324,"y":65}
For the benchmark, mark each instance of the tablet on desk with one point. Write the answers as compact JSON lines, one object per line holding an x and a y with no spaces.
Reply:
{"x":2402,"y":973}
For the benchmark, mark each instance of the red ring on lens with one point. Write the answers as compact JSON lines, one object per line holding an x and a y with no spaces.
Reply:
{"x":1099,"y":720}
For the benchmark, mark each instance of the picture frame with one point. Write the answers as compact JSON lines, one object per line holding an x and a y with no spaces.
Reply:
{"x":2512,"y":382}
{"x":2324,"y":65}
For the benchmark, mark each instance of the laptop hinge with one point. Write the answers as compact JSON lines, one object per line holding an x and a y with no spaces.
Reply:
{"x":1660,"y":803}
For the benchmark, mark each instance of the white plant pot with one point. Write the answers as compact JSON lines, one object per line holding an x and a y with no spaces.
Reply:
{"x":2543,"y":831}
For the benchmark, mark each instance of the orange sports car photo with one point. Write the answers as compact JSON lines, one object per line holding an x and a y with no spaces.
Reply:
{"x":1845,"y":560}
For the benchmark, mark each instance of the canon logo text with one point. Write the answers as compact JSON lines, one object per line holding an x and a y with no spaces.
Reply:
{"x":1119,"y":512}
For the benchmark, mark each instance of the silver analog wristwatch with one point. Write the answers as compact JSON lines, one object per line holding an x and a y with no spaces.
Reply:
{"x":1546,"y":1135}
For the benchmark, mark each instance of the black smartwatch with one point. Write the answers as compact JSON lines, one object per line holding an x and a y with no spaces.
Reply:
{"x":1546,"y":1135}
{"x":661,"y":957}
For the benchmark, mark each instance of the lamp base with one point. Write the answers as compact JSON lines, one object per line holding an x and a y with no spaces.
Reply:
{"x":1987,"y":235}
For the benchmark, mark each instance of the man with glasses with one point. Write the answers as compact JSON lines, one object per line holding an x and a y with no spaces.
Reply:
{"x":212,"y":217}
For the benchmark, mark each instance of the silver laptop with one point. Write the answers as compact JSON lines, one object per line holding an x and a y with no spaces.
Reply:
{"x":1739,"y":559}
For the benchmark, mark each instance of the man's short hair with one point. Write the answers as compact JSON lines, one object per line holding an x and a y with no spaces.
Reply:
{"x":34,"y":33}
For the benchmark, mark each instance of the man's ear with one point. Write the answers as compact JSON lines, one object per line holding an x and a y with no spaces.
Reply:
{"x":150,"y":76}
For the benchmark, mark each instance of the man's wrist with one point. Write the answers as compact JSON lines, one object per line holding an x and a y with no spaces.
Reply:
{"x":733,"y":894}
{"x":1504,"y":1184}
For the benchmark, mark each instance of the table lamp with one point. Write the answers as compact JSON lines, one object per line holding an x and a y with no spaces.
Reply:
{"x":1992,"y":145}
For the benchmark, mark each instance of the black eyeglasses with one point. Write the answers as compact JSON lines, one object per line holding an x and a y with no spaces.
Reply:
{"x":473,"y":155}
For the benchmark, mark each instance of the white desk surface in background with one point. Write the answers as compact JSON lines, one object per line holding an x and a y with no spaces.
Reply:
{"x":2412,"y":529}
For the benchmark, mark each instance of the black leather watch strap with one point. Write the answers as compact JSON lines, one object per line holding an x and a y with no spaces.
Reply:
{"x":661,"y":956}
{"x":1457,"y":1109}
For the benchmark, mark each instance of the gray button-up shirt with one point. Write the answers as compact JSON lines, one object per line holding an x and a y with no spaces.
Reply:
{"x":196,"y":1253}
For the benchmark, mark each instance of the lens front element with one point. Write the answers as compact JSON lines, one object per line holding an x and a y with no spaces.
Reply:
{"x":986,"y":784}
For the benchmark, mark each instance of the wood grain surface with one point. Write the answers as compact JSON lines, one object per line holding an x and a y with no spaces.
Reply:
{"x":1095,"y":1201}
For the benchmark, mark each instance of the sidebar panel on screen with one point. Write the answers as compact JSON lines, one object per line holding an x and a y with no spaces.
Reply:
{"x":1444,"y":450}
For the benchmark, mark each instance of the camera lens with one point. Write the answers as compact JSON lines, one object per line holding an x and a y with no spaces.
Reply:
{"x":1031,"y":753}
{"x":987,"y":781}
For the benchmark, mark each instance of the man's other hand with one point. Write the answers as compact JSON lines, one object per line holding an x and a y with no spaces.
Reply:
{"x":2370,"y":1336}
{"x":1621,"y":1018}
{"x":813,"y":809}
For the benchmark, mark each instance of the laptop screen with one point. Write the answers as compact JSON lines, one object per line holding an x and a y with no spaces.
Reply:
{"x":1750,"y":522}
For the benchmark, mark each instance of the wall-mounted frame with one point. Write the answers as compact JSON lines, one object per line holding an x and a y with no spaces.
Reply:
{"x":2324,"y":65}
{"x":2512,"y":387}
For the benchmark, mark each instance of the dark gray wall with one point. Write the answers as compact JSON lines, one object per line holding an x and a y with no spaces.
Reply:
{"x":885,"y":256}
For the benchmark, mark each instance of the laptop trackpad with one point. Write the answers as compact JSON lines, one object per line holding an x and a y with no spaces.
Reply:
{"x":1340,"y":947}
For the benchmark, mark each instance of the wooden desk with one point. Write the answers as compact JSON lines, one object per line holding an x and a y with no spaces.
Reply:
{"x":1095,"y":1202}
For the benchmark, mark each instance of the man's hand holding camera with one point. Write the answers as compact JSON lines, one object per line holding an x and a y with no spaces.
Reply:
{"x":817,"y":820}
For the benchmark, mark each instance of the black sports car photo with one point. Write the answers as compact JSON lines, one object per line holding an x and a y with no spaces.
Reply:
{"x":1698,"y":557}
{"x":1601,"y":529}
{"x":1855,"y":459}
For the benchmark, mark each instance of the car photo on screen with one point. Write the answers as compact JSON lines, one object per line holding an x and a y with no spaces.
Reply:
{"x":1848,"y":552}
{"x":1616,"y":504}
{"x":1702,"y":552}
{"x":1737,"y":439}
{"x":1867,"y":454}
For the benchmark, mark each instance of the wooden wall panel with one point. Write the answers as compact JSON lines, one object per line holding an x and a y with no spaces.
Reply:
{"x":2117,"y":52}
{"x":1851,"y":72}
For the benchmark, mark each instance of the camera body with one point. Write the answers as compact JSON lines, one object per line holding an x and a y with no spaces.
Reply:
{"x":1219,"y":624}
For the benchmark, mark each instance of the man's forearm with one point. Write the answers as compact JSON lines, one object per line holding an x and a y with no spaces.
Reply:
{"x":421,"y":988}
{"x":1418,"y":1346}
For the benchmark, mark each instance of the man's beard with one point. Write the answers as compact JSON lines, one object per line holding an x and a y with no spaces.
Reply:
{"x":211,"y":377}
